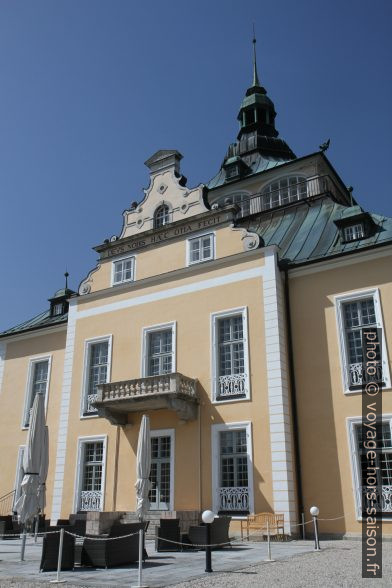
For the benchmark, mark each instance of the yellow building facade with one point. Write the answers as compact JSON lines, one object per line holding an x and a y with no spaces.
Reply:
{"x":231,"y":314}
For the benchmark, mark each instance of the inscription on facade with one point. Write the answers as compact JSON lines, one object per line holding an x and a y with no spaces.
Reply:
{"x":161,"y":236}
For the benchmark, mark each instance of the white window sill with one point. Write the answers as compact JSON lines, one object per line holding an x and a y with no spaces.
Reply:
{"x":88,"y":416}
{"x":387,"y":388}
{"x":123,"y":282}
{"x":190,"y":263}
{"x":243,"y":399}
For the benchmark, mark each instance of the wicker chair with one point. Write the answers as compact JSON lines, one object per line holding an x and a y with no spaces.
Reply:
{"x":107,"y":554}
{"x":168,"y":529}
{"x":9,"y":527}
{"x":219,"y":533}
{"x":50,"y":552}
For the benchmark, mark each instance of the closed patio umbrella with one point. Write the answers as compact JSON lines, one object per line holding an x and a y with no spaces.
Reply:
{"x":43,"y":472}
{"x":34,"y":465}
{"x":143,"y":466}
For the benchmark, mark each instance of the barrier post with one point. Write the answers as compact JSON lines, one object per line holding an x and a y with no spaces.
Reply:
{"x":57,"y":580}
{"x":303,"y":526}
{"x":207,"y":518}
{"x":269,"y":543}
{"x":314,"y":511}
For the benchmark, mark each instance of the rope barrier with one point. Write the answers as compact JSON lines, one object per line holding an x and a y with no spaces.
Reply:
{"x":94,"y":538}
{"x":234,"y":540}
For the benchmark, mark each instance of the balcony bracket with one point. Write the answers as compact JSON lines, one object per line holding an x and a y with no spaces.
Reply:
{"x":176,"y":392}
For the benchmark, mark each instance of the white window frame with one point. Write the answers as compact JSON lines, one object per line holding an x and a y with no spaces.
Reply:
{"x":199,"y":236}
{"x":215,"y":317}
{"x":351,"y":422}
{"x":215,"y":462}
{"x":29,"y":385}
{"x":123,"y":258}
{"x":169,"y":215}
{"x":18,"y":473}
{"x":168,"y":433}
{"x":301,"y":178}
{"x":78,"y":471}
{"x":86,"y":365}
{"x":161,"y":327}
{"x":58,"y":309}
{"x":340,"y":300}
{"x":355,"y":233}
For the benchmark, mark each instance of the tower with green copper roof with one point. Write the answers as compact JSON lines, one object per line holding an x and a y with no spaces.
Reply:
{"x":258,"y":145}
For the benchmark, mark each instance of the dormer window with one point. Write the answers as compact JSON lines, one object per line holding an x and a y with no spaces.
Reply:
{"x":161,"y":216}
{"x":354,"y":232}
{"x":58,"y":309}
{"x":234,"y":167}
{"x":232,"y":171}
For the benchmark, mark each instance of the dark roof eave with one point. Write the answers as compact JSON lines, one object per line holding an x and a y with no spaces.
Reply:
{"x":287,"y":264}
{"x":31,"y":329}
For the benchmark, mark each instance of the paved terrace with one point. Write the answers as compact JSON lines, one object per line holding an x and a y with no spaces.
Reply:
{"x":337,"y":565}
{"x":160,"y":569}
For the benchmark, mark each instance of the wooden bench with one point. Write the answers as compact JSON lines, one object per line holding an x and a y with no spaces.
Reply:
{"x":258,"y":522}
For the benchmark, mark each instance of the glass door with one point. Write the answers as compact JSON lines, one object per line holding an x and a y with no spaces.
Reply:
{"x":160,"y":473}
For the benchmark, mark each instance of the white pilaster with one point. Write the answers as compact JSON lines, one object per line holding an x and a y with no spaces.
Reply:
{"x":3,"y":348}
{"x":278,"y":393}
{"x":64,"y":416}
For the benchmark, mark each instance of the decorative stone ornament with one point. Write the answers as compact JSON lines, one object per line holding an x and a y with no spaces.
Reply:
{"x":250,"y":240}
{"x":165,"y":179}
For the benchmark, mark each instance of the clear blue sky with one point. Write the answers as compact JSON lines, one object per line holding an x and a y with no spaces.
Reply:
{"x":91,"y":88}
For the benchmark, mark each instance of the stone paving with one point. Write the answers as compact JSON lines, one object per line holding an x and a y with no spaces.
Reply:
{"x":160,"y":569}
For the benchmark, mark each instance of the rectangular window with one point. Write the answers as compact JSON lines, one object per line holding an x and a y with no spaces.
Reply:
{"x":233,"y":458}
{"x":382,"y":469}
{"x":123,"y":270}
{"x":200,"y":249}
{"x":232,"y":468}
{"x":37,"y":383}
{"x":19,"y":474}
{"x":353,"y":232}
{"x":91,"y":475}
{"x":160,"y":352}
{"x":231,"y":369}
{"x":356,"y":314}
{"x":97,"y":366}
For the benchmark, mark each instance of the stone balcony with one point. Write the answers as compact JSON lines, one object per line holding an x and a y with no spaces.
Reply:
{"x":175,"y":391}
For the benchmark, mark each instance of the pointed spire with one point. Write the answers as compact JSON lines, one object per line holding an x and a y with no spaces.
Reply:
{"x":66,"y":279}
{"x":255,"y":76}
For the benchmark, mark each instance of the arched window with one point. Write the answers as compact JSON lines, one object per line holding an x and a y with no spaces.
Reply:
{"x":161,"y":216}
{"x":283,"y":191}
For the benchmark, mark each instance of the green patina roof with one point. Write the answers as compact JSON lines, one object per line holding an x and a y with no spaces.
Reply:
{"x":307,"y":232}
{"x":261,"y":163}
{"x":40,"y":321}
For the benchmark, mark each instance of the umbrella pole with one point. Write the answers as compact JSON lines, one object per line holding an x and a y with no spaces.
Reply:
{"x":22,"y":551}
{"x":140,"y":571}
{"x":36,"y":528}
